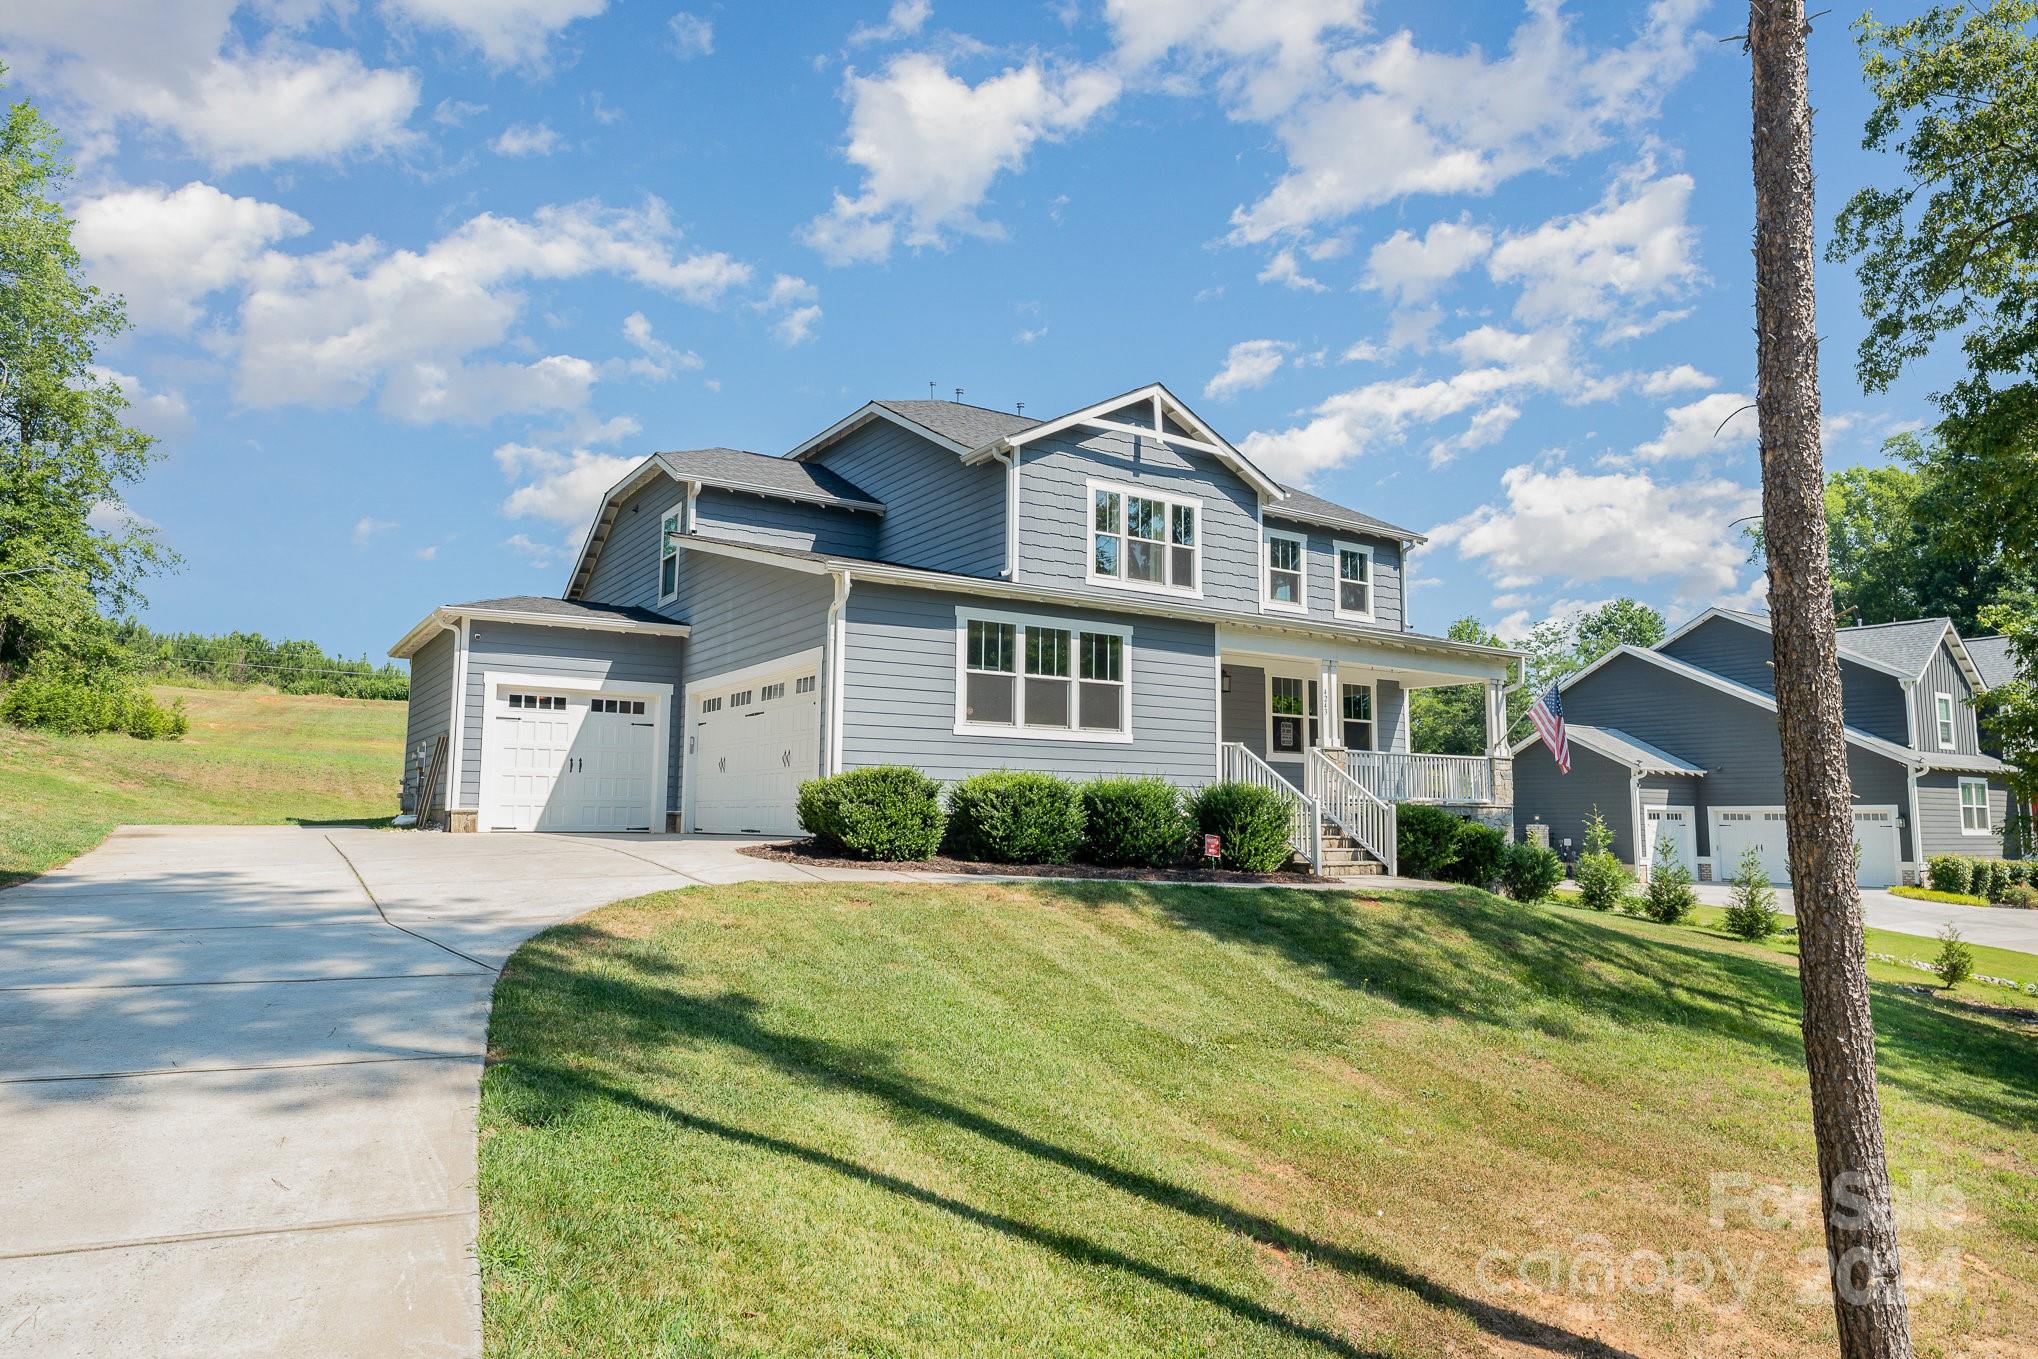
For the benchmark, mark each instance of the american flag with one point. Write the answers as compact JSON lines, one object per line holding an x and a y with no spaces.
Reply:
{"x":1548,"y":715}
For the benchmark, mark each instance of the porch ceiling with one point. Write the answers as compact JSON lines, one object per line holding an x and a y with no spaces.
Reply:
{"x":1408,"y":664}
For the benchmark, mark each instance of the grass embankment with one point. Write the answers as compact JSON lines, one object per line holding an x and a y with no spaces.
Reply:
{"x":1133,"y":1120}
{"x":252,"y":756}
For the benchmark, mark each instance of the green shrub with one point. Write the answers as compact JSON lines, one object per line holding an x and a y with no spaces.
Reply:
{"x":1751,"y":905}
{"x":1955,"y":963}
{"x":1530,"y":872}
{"x":1668,"y":897}
{"x":887,"y":812}
{"x":1425,"y":841}
{"x":1135,"y":823}
{"x":1476,"y":852}
{"x":2019,"y":871}
{"x":2022,"y":895}
{"x":1950,"y":873}
{"x":1996,"y":885}
{"x":1013,"y":816}
{"x":1252,"y":822}
{"x":82,"y":704}
{"x":1602,"y":879}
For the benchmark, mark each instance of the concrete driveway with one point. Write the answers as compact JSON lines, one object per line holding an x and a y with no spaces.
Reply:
{"x":238,"y":1077}
{"x":1997,"y":926}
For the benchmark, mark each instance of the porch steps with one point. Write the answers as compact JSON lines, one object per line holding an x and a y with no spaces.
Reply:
{"x":1343,"y":858}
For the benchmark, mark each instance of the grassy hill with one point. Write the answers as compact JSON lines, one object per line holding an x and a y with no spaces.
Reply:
{"x":252,"y":755}
{"x":1128,"y":1121}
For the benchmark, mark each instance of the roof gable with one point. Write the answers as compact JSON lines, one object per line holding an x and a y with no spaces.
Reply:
{"x":1993,"y":658}
{"x":1902,"y":649}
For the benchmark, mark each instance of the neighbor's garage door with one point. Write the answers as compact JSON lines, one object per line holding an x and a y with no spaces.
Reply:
{"x":754,"y":744}
{"x":566,"y":761}
{"x":1737,"y":829}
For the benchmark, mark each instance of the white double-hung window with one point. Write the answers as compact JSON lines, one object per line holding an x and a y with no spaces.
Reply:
{"x":1974,"y":807}
{"x":1144,"y":539}
{"x":1942,"y":709}
{"x":1355,"y":582}
{"x":1285,"y":585}
{"x":1043,"y":678}
{"x":668,"y":555}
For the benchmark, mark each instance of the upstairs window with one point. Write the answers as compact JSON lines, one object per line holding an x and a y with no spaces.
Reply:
{"x":1943,"y":708}
{"x":1024,"y":677}
{"x":1287,"y":580}
{"x":668,"y":556}
{"x":1142,"y":539}
{"x":1354,"y":581}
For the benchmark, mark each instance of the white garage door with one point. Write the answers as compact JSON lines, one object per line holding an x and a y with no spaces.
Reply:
{"x":1735,"y":829}
{"x":1673,"y":824}
{"x":754,"y":743}
{"x":569,"y":761}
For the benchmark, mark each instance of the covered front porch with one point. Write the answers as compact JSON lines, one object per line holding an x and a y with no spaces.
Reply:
{"x":1328,"y":715}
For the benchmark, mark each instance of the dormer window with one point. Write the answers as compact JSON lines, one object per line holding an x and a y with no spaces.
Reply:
{"x":1142,"y":539}
{"x":1287,"y":579}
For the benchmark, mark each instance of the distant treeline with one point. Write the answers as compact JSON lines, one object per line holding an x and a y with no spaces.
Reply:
{"x":250,"y":658}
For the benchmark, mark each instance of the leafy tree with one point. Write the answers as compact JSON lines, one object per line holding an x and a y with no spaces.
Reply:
{"x":65,"y":451}
{"x":1870,"y":1312}
{"x":1955,"y":960}
{"x":1451,"y":719}
{"x":1751,"y":904}
{"x":1617,"y":623}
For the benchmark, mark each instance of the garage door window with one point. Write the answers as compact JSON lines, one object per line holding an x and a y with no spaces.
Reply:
{"x":1974,"y":806}
{"x":1027,"y":677}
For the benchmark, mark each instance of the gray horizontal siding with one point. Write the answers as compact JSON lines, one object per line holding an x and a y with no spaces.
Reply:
{"x":430,"y":714}
{"x":1939,"y":818}
{"x":1054,"y":513}
{"x":567,"y":653}
{"x":1873,"y":700}
{"x":1943,"y":676}
{"x":1321,"y":575}
{"x":626,"y":567}
{"x":784,"y":523}
{"x":939,"y":514}
{"x":899,"y":696}
{"x":1565,"y":802}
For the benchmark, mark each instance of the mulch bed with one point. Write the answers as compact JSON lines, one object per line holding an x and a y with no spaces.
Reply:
{"x":807,"y":852}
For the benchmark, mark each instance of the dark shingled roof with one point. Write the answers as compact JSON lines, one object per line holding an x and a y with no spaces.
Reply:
{"x":970,"y":426}
{"x":1314,"y":509}
{"x":759,"y":471}
{"x":1991,"y":656}
{"x":1905,"y":646}
{"x":566,"y":608}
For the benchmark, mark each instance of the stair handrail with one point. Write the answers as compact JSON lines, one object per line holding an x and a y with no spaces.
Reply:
{"x":1371,"y":823}
{"x":1305,"y":817}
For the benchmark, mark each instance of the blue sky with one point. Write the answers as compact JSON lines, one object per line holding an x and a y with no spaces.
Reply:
{"x":413,"y":280}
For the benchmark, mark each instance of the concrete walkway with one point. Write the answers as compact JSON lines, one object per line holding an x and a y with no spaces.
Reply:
{"x":1997,"y":926}
{"x":238,"y":1079}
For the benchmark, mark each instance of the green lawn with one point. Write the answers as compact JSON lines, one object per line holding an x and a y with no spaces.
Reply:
{"x":252,"y":756}
{"x":1127,"y":1120}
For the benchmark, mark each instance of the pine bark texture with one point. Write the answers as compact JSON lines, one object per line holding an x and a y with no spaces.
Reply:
{"x":1839,"y":1035}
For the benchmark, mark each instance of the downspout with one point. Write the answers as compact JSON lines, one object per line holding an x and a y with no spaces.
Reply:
{"x":456,"y":735}
{"x":1010,"y":457}
{"x":1917,"y":833}
{"x":838,"y":637}
{"x":686,"y":508}
{"x":1644,"y":851}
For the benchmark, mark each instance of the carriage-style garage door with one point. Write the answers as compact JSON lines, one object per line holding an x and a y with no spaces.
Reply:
{"x":755,"y":741}
{"x":571,"y":759}
{"x":1736,"y":829}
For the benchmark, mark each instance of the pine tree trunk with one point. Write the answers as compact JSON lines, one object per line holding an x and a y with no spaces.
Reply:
{"x":1839,"y":1036}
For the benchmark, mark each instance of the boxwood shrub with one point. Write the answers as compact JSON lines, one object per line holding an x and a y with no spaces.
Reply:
{"x":887,"y":812}
{"x":1950,"y":873}
{"x":1251,"y":822}
{"x":1133,"y":823}
{"x":1426,"y":841}
{"x":1476,"y":853}
{"x":1530,"y":872}
{"x":1015,"y":817}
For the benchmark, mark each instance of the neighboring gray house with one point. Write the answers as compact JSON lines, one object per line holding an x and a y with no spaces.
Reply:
{"x":1680,"y":742}
{"x":1117,"y":590}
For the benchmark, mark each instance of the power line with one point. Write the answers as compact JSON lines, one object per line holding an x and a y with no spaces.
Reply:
{"x":385,"y":672}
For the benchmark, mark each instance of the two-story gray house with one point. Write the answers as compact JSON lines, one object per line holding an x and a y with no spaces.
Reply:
{"x":1116,"y":590}
{"x":1680,"y":742}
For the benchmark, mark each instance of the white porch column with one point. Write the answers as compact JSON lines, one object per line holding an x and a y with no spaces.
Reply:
{"x":1496,"y":719}
{"x":1333,"y":727}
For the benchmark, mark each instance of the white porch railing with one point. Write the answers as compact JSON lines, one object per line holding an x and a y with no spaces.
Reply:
{"x":1418,"y":778}
{"x":1305,"y":818}
{"x":1370,"y":822}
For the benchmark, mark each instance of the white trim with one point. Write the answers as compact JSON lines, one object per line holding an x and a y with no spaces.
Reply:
{"x":1338,"y":684}
{"x":838,"y":646}
{"x":1946,"y":729}
{"x":863,"y":415}
{"x":455,"y":794}
{"x":1267,"y":601}
{"x":1585,"y":735}
{"x":1638,"y":823}
{"x":1338,"y":547}
{"x":1307,"y":673}
{"x":1917,"y":826}
{"x":451,"y":614}
{"x":668,"y":542}
{"x":1987,"y":811}
{"x":698,"y":689}
{"x":1019,"y":622}
{"x":1202,"y":437}
{"x":656,"y":695}
{"x":1010,"y":459}
{"x":1217,"y":691}
{"x":1171,"y":501}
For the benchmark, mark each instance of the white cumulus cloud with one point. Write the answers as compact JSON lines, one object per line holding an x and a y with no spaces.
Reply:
{"x":507,"y":32}
{"x":1634,"y":248}
{"x":1410,"y":269}
{"x":527,"y":139}
{"x":1721,"y":423}
{"x":1248,"y":364}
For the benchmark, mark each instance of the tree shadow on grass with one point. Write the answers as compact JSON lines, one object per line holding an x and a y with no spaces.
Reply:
{"x":1485,"y":961}
{"x":639,"y":1013}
